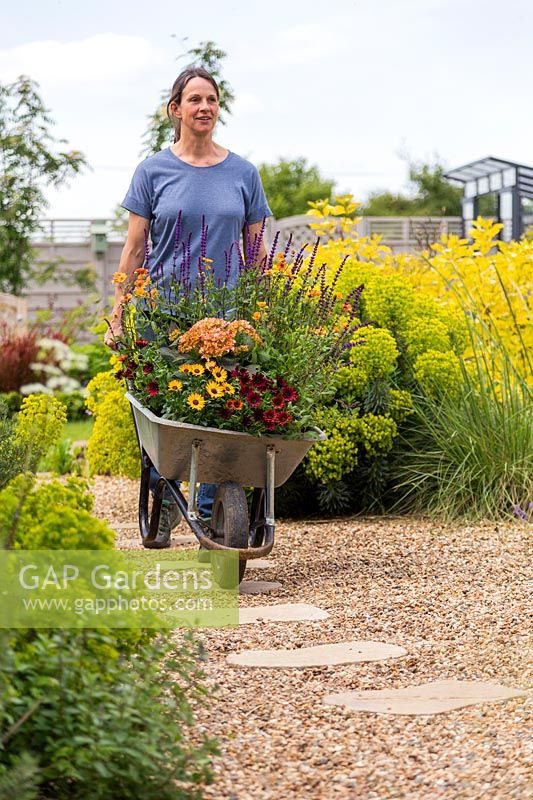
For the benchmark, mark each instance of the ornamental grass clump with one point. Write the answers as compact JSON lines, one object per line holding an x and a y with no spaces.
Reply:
{"x":255,"y":356}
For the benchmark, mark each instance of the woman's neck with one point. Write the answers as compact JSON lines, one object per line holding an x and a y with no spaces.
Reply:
{"x":199,"y":151}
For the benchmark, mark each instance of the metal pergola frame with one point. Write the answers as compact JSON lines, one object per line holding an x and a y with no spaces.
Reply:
{"x":514,"y":184}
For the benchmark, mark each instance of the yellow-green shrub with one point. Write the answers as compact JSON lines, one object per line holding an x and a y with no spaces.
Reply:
{"x":52,"y":516}
{"x":39,"y":424}
{"x":112,"y":448}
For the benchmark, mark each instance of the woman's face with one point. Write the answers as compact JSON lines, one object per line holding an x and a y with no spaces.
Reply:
{"x":198,"y":109}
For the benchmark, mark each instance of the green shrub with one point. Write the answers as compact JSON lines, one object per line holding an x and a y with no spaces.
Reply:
{"x":11,"y":400}
{"x":51,"y":516}
{"x":74,"y":403}
{"x":112,"y":447}
{"x":39,"y":424}
{"x":469,"y":449}
{"x":101,"y":725}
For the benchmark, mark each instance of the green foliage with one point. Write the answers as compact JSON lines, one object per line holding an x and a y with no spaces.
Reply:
{"x":13,"y":452}
{"x":51,"y":516}
{"x":39,"y":424}
{"x":102,"y":724}
{"x":29,"y":162}
{"x":439,"y":373}
{"x":74,"y":403}
{"x":112,"y":447}
{"x":20,"y":778}
{"x":11,"y":401}
{"x":160,"y":132}
{"x":290,"y":185}
{"x":430,"y":195}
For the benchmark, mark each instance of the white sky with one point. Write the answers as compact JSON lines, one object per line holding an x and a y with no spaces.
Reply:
{"x":347,"y":84}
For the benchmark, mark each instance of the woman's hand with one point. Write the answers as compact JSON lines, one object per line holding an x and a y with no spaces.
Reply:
{"x":113,"y":332}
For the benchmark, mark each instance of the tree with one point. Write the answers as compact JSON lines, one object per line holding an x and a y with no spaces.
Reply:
{"x":290,"y":184}
{"x":160,"y":131}
{"x":28,"y":164}
{"x":431,"y":195}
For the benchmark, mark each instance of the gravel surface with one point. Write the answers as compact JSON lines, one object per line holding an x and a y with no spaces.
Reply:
{"x":454,"y":596}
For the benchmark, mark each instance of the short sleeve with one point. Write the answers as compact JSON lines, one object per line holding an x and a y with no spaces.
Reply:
{"x":256,"y":205}
{"x":139,"y":195}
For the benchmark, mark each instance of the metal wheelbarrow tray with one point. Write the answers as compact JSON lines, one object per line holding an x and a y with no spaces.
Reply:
{"x":230,"y":459}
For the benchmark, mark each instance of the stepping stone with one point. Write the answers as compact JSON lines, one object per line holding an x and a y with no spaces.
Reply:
{"x":259,"y":587}
{"x":259,"y":563}
{"x":186,"y":539}
{"x":318,"y":656}
{"x":427,"y":698}
{"x":285,"y":612}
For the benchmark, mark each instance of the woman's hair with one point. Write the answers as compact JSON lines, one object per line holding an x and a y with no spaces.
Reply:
{"x":177,"y":90}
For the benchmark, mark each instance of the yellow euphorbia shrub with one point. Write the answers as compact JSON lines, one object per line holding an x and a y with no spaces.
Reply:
{"x":485,"y":278}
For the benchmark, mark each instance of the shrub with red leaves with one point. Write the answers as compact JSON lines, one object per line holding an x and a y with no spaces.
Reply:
{"x":17,"y":352}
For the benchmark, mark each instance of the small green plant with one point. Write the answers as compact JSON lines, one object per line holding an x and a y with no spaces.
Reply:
{"x":99,"y":719}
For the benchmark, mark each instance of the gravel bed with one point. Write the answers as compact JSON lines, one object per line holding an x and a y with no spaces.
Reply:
{"x":454,"y":596}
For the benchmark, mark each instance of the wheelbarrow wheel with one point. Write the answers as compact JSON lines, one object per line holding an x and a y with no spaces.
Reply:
{"x":230,"y":522}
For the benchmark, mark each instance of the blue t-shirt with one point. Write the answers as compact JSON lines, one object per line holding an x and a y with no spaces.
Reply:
{"x":222,"y":197}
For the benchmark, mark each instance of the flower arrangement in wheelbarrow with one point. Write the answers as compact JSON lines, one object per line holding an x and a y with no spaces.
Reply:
{"x":256,"y":357}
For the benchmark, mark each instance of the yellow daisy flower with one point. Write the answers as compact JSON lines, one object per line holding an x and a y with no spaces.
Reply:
{"x":210,"y":364}
{"x":119,"y":277}
{"x":219,"y":374}
{"x":196,"y":401}
{"x":256,"y":316}
{"x":261,"y":304}
{"x":228,"y":388}
{"x":185,"y":368}
{"x":175,"y":385}
{"x":214,"y":389}
{"x":196,"y":369}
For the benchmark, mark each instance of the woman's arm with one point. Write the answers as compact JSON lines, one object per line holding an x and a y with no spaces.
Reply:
{"x":131,"y":258}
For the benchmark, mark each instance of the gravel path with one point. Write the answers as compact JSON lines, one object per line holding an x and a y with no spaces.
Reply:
{"x":454,"y":597}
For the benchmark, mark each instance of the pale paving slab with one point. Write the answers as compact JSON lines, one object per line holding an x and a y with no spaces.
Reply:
{"x":260,"y":563}
{"x":428,"y":698}
{"x":285,"y":612}
{"x":321,"y":655}
{"x":259,"y":587}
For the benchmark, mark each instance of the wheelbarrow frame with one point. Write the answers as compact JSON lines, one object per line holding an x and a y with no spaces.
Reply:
{"x":193,"y":453}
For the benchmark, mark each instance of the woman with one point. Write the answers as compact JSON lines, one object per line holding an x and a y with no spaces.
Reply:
{"x":209,"y":185}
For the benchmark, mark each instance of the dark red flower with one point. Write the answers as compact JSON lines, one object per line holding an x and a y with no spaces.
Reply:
{"x":141,"y":342}
{"x":225,"y":413}
{"x":278,"y":401}
{"x":284,"y":417}
{"x":271,"y":426}
{"x":152,"y":389}
{"x":253,"y":399}
{"x":289,"y":394}
{"x":148,"y":368}
{"x":247,"y":420}
{"x":119,"y":375}
{"x":127,"y":373}
{"x":270,"y":417}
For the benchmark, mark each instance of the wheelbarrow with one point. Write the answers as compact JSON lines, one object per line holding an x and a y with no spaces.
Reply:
{"x":230,"y":459}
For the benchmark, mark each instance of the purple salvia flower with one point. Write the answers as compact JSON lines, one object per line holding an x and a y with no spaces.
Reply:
{"x":519,"y":512}
{"x":272,"y":253}
{"x":146,"y":249}
{"x":177,"y":237}
{"x":287,"y":246}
